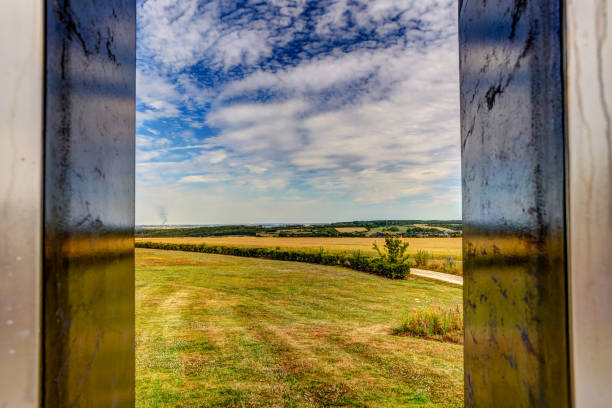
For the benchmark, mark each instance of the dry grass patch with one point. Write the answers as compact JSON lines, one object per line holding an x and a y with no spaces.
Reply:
{"x":434,"y":323}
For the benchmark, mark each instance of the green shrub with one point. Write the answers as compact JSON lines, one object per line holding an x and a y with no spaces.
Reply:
{"x":393,"y":261}
{"x":389,"y":270}
{"x":434,"y":323}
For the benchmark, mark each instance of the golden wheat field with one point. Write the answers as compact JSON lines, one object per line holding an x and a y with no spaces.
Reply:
{"x":351,"y":229}
{"x":432,"y":227}
{"x":439,"y":247}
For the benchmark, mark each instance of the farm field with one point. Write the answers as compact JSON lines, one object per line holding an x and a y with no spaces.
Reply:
{"x":439,"y":247}
{"x":351,"y":229}
{"x":222,"y":331}
{"x":432,"y":227}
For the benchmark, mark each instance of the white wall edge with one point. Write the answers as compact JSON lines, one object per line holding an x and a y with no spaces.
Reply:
{"x":21,"y":147}
{"x":589,"y":118}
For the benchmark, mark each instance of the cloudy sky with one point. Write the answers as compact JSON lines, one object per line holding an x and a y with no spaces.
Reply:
{"x":297,"y":111}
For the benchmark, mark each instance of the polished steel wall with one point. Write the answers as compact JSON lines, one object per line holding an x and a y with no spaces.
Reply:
{"x":89,"y":203}
{"x":513,"y":164}
{"x":21,"y":135}
{"x":589,"y":113}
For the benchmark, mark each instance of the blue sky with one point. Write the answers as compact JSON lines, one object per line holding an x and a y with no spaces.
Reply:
{"x":297,"y":111}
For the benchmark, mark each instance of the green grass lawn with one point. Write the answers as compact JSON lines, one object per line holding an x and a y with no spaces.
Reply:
{"x":221,"y":331}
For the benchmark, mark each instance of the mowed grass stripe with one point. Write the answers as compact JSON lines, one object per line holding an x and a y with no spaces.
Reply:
{"x":217,"y":330}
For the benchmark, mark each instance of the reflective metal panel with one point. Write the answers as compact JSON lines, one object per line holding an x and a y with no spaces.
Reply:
{"x":589,"y":34}
{"x":21,"y":130}
{"x":89,"y":203}
{"x":515,"y":300}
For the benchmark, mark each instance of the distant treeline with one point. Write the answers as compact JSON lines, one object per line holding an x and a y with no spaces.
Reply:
{"x":353,"y":260}
{"x":214,"y":231}
{"x":454,"y":225}
{"x":247,"y":230}
{"x":320,"y":230}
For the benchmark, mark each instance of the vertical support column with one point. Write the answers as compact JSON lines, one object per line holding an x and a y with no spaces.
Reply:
{"x":513,"y":151}
{"x":21,"y":141}
{"x":589,"y":84}
{"x":89,"y":203}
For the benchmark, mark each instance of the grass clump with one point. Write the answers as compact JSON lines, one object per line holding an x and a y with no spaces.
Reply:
{"x":421,"y":258}
{"x":448,"y":265}
{"x":433,"y":323}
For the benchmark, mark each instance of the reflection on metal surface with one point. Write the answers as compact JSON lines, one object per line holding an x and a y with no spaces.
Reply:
{"x":515,"y":299}
{"x":21,"y":124}
{"x":590,"y":198}
{"x":89,"y":203}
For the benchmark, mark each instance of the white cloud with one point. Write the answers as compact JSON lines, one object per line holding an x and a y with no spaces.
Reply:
{"x":146,"y":156}
{"x":179,"y":34}
{"x":373,"y":124}
{"x":205,"y":178}
{"x":256,"y":169}
{"x":404,"y":144}
{"x":150,"y":142}
{"x":217,"y":156}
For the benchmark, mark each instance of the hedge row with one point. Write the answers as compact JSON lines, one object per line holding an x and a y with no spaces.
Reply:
{"x":354,"y":260}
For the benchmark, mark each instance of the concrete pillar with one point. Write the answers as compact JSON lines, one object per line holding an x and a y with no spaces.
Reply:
{"x":21,"y":152}
{"x":589,"y":117}
{"x":514,"y":212}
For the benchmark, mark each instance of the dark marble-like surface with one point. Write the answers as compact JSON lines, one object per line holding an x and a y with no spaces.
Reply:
{"x":89,"y":204}
{"x":512,"y":134}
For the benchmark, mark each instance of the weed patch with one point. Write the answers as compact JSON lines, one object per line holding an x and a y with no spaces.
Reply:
{"x":433,"y":323}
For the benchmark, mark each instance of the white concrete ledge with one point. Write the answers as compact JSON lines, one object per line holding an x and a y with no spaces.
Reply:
{"x":439,"y":276}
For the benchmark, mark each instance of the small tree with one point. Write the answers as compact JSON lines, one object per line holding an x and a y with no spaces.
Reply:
{"x":393,"y":262}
